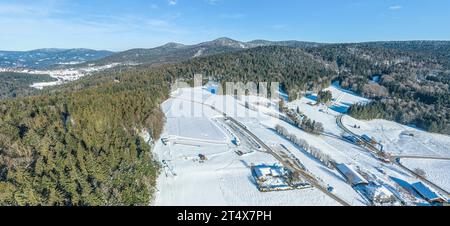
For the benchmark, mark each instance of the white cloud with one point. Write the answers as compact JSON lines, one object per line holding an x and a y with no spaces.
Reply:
{"x":395,"y":7}
{"x":37,"y":8}
{"x":172,"y":2}
{"x":52,"y":14}
{"x":53,"y":25}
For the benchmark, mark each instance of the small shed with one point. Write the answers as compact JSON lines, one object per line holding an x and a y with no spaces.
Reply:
{"x":350,"y":138}
{"x":366,"y":138}
{"x":236,"y":142}
{"x":427,"y":193}
{"x":353,"y":177}
{"x":202,"y":157}
{"x":213,"y":87}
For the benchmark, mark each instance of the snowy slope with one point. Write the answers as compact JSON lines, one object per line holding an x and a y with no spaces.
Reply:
{"x":436,"y":171}
{"x":226,"y":179}
{"x":400,"y":139}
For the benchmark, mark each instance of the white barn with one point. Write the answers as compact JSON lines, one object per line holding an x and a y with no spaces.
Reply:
{"x":353,"y":177}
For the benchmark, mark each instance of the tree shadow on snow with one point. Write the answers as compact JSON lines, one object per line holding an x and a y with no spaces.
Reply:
{"x":333,"y":174}
{"x":297,"y":147}
{"x":340,"y":109}
{"x":251,"y":179}
{"x":245,"y":163}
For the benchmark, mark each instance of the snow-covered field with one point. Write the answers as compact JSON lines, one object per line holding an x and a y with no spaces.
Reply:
{"x":343,"y":99}
{"x":63,"y":75}
{"x":400,"y":139}
{"x":436,"y":171}
{"x":225,"y":177}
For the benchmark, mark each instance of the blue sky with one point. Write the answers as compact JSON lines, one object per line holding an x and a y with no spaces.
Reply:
{"x":124,"y":24}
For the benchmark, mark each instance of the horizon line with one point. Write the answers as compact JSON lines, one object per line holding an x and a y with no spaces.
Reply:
{"x":246,"y":41}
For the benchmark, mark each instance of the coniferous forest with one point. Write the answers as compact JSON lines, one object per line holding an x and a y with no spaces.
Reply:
{"x":18,"y":84}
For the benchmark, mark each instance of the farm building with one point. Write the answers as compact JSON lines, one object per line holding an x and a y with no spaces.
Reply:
{"x":366,"y":138}
{"x":352,"y":139}
{"x":270,"y":178}
{"x":262,"y":172}
{"x":202,"y":157}
{"x":428,"y":194}
{"x":380,"y":195}
{"x":353,"y":177}
{"x":213,"y":87}
{"x":236,"y":141}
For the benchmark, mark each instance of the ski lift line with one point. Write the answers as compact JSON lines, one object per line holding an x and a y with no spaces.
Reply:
{"x":168,"y":167}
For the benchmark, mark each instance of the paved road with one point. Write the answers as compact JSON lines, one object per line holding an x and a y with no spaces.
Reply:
{"x":286,"y":162}
{"x":395,"y":159}
{"x":420,"y":157}
{"x":289,"y":164}
{"x":368,"y":145}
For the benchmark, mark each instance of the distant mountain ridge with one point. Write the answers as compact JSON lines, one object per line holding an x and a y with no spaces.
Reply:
{"x":43,"y":58}
{"x":173,"y":52}
{"x":176,"y":52}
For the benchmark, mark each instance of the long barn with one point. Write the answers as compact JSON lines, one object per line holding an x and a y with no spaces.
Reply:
{"x":353,"y":177}
{"x":428,"y":194}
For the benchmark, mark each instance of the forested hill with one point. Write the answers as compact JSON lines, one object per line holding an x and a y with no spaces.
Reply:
{"x":295,"y":69}
{"x":434,"y":49}
{"x":408,"y":85}
{"x":44,"y":58}
{"x":79,"y":144}
{"x":82,"y":147}
{"x":176,"y":52}
{"x":18,"y":84}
